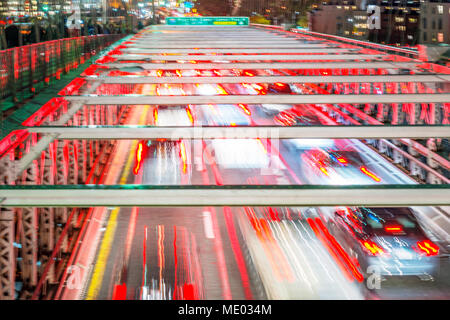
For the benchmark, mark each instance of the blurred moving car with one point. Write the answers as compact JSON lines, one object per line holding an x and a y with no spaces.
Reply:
{"x":279,"y":87}
{"x":389,"y":241}
{"x":334,"y":166}
{"x":297,"y":116}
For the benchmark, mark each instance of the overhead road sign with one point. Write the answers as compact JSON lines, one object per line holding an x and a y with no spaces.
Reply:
{"x":207,"y":21}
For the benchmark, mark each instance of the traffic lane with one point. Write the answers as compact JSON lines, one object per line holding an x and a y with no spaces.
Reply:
{"x":115,"y":266}
{"x":276,"y":256}
{"x":169,"y":256}
{"x":290,"y":260}
{"x":178,"y":248}
{"x":124,"y":264}
{"x":400,"y":285}
{"x":212,"y":220}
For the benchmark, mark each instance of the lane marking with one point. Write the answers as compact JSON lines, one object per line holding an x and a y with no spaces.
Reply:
{"x":207,"y":224}
{"x":97,"y":276}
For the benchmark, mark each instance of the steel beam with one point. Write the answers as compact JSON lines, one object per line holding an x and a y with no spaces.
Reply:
{"x":262,"y":99}
{"x":263,"y":132}
{"x":224,"y":51}
{"x":269,"y":66}
{"x":273,"y":79}
{"x":168,"y":196}
{"x":213,"y":42}
{"x":231,"y":45}
{"x":252,"y":57}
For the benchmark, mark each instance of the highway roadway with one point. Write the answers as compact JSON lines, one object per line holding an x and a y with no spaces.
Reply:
{"x":237,"y":253}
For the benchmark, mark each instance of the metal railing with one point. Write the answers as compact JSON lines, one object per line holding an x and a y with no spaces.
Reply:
{"x":27,"y":69}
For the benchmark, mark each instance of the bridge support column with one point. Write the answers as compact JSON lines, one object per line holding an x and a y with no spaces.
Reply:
{"x":29,"y":241}
{"x":7,"y":257}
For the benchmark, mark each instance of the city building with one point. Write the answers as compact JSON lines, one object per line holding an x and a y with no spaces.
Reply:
{"x":435,"y":22}
{"x":402,"y":22}
{"x":33,"y":8}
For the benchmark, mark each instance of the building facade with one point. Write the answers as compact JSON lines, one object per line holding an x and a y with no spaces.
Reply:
{"x":435,"y":22}
{"x":402,"y":22}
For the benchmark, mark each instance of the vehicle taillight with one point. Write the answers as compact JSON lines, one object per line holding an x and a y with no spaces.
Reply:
{"x":221,"y":90}
{"x":371,"y":248}
{"x":324,"y":170}
{"x":139,"y":150}
{"x":342,"y":160}
{"x":183,"y":155}
{"x":189,"y":114}
{"x":428,"y":247}
{"x":369,"y":174}
{"x":244,"y":107}
{"x":155,"y":115}
{"x":393,"y":228}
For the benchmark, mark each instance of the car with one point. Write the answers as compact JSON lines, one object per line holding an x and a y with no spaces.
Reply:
{"x":225,"y":115}
{"x":297,"y":116}
{"x":279,"y":87}
{"x":272,"y":110}
{"x":386,"y":240}
{"x":247,"y":73}
{"x":173,"y":116}
{"x":163,"y":162}
{"x":335,"y":166}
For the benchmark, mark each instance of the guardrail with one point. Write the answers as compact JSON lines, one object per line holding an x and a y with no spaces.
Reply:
{"x":24,"y":70}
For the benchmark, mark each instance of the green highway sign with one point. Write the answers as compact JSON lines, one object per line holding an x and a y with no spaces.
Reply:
{"x":207,"y":21}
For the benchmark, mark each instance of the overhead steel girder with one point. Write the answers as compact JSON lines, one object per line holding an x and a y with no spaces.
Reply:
{"x":262,"y":41}
{"x":223,"y":51}
{"x":200,"y":196}
{"x":261,"y":99}
{"x":263,"y":132}
{"x":273,"y":79}
{"x":234,"y":45}
{"x":252,"y":57}
{"x":214,"y":36}
{"x":273,"y":65}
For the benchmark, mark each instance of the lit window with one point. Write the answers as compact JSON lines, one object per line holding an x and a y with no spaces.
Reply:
{"x":440,"y":9}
